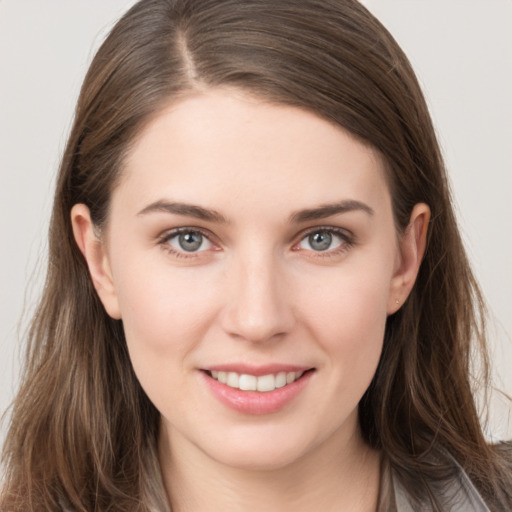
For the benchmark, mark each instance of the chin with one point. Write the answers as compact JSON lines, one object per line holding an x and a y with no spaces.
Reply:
{"x":260,"y":459}
{"x":262,"y":450}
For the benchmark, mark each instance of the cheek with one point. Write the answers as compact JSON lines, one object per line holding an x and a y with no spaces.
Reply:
{"x":349,"y":329}
{"x":163,"y":311}
{"x":347,"y":316}
{"x":164,"y":316}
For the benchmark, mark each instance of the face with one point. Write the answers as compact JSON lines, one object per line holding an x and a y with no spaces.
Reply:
{"x":252,"y":256}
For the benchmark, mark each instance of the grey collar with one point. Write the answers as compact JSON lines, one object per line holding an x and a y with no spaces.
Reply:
{"x":457,"y":495}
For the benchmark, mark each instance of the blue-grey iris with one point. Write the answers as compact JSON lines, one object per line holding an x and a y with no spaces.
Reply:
{"x":190,"y":241}
{"x":320,"y":241}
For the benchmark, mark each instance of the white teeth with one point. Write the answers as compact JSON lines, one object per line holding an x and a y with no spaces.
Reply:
{"x":263,"y":383}
{"x":266,"y":383}
{"x":281,"y":379}
{"x":233,"y":380}
{"x":248,"y":382}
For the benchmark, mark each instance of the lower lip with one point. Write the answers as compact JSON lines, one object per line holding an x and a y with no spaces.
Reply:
{"x":256,"y":402}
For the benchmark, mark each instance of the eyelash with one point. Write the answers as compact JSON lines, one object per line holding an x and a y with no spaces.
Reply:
{"x":347,"y":239}
{"x":164,"y":240}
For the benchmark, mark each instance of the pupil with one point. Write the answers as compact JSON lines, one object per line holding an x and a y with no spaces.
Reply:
{"x":190,"y":241}
{"x":320,"y":241}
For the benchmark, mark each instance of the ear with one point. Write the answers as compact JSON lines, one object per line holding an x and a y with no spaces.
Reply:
{"x":94,"y":251}
{"x":412,"y":246}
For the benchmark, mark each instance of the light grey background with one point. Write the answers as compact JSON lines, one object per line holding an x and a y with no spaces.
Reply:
{"x":461,"y":50}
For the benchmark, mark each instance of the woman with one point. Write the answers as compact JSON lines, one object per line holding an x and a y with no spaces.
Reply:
{"x":257,"y":296}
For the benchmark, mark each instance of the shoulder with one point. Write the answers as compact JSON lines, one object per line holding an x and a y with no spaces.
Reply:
{"x":455,"y":494}
{"x":451,"y":492}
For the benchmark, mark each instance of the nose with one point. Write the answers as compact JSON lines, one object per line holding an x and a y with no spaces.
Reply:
{"x":258,"y":306}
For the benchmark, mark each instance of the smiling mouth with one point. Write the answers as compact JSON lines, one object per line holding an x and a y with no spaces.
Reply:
{"x":262,"y":383}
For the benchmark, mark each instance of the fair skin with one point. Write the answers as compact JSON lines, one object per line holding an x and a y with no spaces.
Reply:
{"x":261,"y":279}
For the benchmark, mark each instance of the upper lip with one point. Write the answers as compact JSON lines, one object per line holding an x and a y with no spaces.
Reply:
{"x":256,"y":370}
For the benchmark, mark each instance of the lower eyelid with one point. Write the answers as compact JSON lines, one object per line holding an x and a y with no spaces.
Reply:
{"x":335,"y":253}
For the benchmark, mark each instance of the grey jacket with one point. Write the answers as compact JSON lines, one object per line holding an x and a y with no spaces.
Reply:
{"x":456,"y":495}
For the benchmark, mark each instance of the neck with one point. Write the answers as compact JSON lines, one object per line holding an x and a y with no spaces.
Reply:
{"x":334,"y":476}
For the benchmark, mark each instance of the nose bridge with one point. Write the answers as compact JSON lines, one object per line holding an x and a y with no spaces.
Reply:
{"x":258,"y":308}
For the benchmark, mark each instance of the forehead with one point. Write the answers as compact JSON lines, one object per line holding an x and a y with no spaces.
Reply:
{"x":225,"y":145}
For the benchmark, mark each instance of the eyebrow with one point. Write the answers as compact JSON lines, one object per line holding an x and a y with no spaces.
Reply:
{"x":327,"y":210}
{"x":188,"y":210}
{"x":320,"y":212}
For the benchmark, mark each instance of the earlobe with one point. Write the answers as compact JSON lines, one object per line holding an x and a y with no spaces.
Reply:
{"x":412,"y":245}
{"x":95,"y":254}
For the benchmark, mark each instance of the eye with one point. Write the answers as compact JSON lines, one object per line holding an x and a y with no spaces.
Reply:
{"x":323,"y":240}
{"x":187,"y":241}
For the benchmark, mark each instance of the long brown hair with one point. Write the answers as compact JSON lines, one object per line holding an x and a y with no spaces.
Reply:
{"x":83,"y":433}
